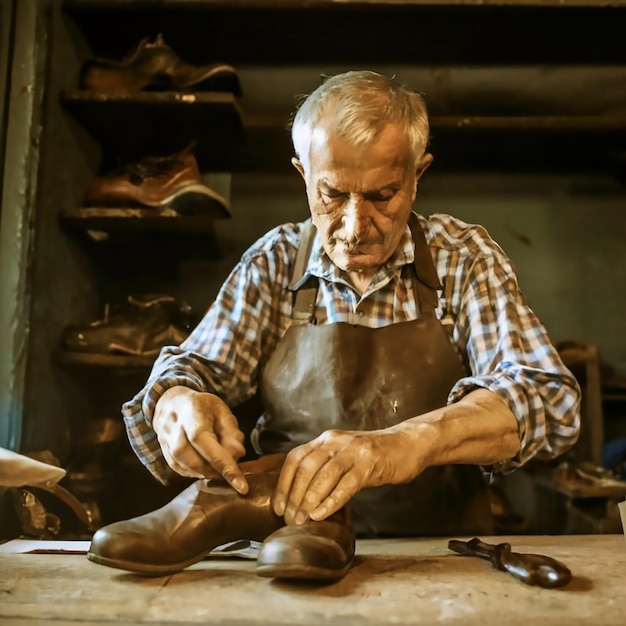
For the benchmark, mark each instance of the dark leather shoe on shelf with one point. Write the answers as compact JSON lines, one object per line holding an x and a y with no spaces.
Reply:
{"x":156,"y":66}
{"x":169,"y":182}
{"x":207,"y":514}
{"x":317,"y":551}
{"x":140,"y":327}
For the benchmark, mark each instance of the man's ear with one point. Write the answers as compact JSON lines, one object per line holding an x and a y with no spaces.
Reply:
{"x":423,"y":165}
{"x":295,"y":161}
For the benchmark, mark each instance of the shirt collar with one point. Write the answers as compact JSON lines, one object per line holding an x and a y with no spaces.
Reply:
{"x":320,"y":265}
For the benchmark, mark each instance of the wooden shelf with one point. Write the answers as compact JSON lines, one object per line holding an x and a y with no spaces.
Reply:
{"x":118,"y":361}
{"x":584,"y":124}
{"x":303,"y":4}
{"x":133,"y":125}
{"x":129,"y":219}
{"x":123,"y":240}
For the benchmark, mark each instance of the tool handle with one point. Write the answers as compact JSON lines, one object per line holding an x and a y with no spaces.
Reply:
{"x":532,"y":569}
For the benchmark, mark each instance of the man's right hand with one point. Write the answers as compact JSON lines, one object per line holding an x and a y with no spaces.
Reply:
{"x":199,"y":435}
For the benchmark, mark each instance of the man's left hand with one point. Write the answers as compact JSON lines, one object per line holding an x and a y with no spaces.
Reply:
{"x":321,"y":476}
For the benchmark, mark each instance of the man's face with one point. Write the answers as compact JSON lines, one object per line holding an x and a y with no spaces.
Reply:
{"x":360,"y":198}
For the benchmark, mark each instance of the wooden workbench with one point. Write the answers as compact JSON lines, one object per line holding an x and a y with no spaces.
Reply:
{"x":392,"y":581}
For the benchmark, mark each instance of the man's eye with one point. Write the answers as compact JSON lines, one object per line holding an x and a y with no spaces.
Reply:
{"x":332,"y":195}
{"x":380,"y":196}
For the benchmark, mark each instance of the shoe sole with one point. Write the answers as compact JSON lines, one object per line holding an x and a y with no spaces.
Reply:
{"x":144,"y":569}
{"x":198,"y":200}
{"x":301,"y":572}
{"x":292,"y":572}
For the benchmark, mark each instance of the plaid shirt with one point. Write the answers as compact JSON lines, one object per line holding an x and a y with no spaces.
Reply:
{"x":481,"y":307}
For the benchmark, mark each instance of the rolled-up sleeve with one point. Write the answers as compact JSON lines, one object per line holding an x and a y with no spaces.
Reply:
{"x":509,"y":352}
{"x":224,"y":352}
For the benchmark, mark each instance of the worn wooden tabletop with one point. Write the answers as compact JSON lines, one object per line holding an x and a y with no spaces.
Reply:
{"x":392,"y":581}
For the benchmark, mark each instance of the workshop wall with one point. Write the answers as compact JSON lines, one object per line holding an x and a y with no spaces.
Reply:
{"x":564,"y":234}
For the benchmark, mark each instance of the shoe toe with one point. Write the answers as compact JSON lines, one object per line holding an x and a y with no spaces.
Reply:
{"x":118,"y":546}
{"x":121,"y":546}
{"x":296,"y":552}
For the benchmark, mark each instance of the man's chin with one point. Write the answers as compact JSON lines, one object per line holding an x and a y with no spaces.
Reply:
{"x":360,"y":263}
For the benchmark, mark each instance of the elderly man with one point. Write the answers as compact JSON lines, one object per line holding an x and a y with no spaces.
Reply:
{"x":399,"y":365}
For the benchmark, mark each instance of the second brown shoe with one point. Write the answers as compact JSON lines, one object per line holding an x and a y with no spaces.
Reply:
{"x":315,"y":551}
{"x":169,"y":182}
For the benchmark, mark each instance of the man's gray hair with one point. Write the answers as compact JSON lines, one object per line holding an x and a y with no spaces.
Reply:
{"x":359,"y":104}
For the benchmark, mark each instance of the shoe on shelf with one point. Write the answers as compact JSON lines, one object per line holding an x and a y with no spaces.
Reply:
{"x":155,"y":66}
{"x":140,"y":327}
{"x":168,"y":182}
{"x":316,"y":551}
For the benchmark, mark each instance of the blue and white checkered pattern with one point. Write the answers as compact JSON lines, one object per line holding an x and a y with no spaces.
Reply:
{"x":481,"y":307}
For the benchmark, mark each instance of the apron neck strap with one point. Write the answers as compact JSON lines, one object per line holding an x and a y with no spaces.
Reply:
{"x":305,"y":296}
{"x":427,"y":282}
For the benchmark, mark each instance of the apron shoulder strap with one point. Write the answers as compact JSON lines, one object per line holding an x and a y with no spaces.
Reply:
{"x":427,"y":282}
{"x":305,"y":297}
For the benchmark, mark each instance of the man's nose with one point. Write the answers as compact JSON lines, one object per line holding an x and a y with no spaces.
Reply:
{"x":356,"y":219}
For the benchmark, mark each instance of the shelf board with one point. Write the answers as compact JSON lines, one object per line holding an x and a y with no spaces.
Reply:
{"x":121,"y":361}
{"x":132,"y":218}
{"x":118,"y":238}
{"x":132,"y":125}
{"x":304,"y":4}
{"x":565,"y":123}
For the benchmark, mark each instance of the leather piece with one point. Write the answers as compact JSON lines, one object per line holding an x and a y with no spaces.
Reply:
{"x":357,"y":378}
{"x":154,"y":65}
{"x":320,"y":551}
{"x":205,"y":515}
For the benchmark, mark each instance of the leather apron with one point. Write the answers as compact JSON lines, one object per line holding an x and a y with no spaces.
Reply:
{"x":353,"y":377}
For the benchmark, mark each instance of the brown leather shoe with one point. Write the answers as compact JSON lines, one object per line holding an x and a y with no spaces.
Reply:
{"x":319,"y":551}
{"x":139,"y":327}
{"x":171,"y":182}
{"x":207,"y":514}
{"x":156,"y":66}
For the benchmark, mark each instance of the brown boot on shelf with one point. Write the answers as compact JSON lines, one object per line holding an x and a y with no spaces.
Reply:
{"x":207,"y":514}
{"x":139,"y":327}
{"x":156,"y":66}
{"x":316,"y":551}
{"x":170,"y":182}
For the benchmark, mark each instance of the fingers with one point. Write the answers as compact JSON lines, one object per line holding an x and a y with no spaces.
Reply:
{"x":302,"y":466}
{"x":346,"y":488}
{"x":199,"y":436}
{"x":182,"y":458}
{"x":228,"y":433}
{"x":218,"y":457}
{"x":320,"y":477}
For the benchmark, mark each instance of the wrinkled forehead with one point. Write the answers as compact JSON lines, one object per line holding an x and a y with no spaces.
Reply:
{"x":384,"y":145}
{"x":356,"y":123}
